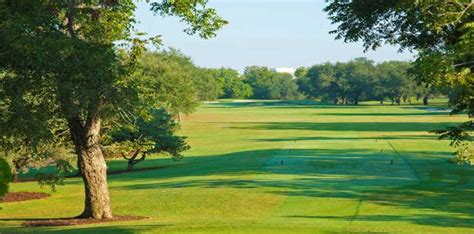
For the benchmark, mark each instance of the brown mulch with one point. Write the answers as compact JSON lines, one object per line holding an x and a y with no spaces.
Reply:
{"x":22,"y":196}
{"x":76,"y":221}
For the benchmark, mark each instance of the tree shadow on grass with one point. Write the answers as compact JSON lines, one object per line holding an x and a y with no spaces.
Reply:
{"x":323,"y":138}
{"x":125,"y":229}
{"x":347,"y":126}
{"x":386,"y":114}
{"x":435,"y":220}
{"x":291,"y":104}
{"x":427,"y":184}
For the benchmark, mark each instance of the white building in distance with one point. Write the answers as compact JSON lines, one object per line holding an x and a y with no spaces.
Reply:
{"x":288,"y":70}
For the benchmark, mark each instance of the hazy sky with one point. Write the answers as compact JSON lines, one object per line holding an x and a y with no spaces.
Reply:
{"x":274,"y":33}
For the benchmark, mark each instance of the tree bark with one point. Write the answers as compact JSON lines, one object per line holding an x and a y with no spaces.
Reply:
{"x":425,"y":100}
{"x":14,"y":175}
{"x":91,"y":162}
{"x":132,"y":161}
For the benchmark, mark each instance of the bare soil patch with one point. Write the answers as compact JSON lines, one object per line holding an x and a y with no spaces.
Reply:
{"x":22,"y":196}
{"x":75,"y":221}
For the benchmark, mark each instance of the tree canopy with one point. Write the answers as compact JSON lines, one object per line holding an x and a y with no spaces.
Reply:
{"x":268,"y":84}
{"x":442,"y":32}
{"x":69,"y":68}
{"x":361,"y":80}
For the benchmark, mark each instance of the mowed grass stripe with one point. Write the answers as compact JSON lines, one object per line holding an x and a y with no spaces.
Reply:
{"x":336,"y":176}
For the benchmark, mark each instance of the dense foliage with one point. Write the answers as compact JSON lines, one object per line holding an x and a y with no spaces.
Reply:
{"x":136,"y":139}
{"x":168,"y":76}
{"x":361,"y":80}
{"x":442,"y":32}
{"x":69,"y":70}
{"x":268,"y":84}
{"x":232,"y":84}
{"x":5,"y":176}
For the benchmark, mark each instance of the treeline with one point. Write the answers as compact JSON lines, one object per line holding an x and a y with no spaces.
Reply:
{"x":189,"y":83}
{"x":361,"y":80}
{"x":186,"y":84}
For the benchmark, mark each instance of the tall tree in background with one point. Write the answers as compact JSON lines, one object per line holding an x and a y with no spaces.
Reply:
{"x":359,"y":76}
{"x":168,"y":77}
{"x":67,"y":71}
{"x":442,"y":32}
{"x":208,"y":88}
{"x":232,"y":84}
{"x":394,"y":82}
{"x":268,"y":84}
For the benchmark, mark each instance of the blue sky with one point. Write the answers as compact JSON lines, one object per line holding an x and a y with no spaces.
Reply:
{"x":274,"y":33}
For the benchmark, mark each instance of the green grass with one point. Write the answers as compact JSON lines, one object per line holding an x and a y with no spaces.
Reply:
{"x":336,"y":175}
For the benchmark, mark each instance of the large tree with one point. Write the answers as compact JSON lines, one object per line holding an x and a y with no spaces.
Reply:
{"x":232,"y":83}
{"x":168,"y":76}
{"x":442,"y":32}
{"x":268,"y":84}
{"x":68,"y":66}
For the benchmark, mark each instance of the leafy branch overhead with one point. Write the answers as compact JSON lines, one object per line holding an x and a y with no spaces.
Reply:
{"x":202,"y":20}
{"x":442,"y":33}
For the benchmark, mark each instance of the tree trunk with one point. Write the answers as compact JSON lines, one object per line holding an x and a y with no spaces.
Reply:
{"x":93,"y":168}
{"x":381,"y":102}
{"x":14,"y":175}
{"x":132,"y":161}
{"x":130,"y":165}
{"x":425,"y":100}
{"x":94,"y":175}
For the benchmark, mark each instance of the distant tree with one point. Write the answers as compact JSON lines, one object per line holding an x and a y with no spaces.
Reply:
{"x":259,"y":79}
{"x":168,"y":76}
{"x":268,"y":84}
{"x":286,"y":87}
{"x":393,"y":81}
{"x":139,"y":137}
{"x":232,"y":84}
{"x":208,"y":88}
{"x":359,"y":77}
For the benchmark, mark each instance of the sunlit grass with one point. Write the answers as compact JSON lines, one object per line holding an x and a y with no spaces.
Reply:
{"x":285,"y":167}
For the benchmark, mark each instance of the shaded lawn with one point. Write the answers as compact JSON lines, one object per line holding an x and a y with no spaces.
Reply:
{"x":296,"y":174}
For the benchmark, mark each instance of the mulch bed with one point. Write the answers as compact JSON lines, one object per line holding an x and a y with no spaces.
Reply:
{"x":22,"y":196}
{"x":76,"y":221}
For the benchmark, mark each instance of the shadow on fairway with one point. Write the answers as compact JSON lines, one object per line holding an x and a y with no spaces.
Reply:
{"x":123,"y":229}
{"x":428,"y":183}
{"x":322,"y":138}
{"x":386,"y":114}
{"x":347,"y":126}
{"x":292,"y":104}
